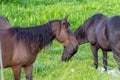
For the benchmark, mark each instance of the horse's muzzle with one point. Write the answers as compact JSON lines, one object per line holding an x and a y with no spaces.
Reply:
{"x":68,"y":53}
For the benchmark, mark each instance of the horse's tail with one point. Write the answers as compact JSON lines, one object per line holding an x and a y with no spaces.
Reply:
{"x":1,"y":64}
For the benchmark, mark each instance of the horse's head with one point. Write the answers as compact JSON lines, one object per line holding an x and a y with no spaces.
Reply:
{"x":63,"y":34}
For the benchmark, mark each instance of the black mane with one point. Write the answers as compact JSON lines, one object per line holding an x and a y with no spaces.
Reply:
{"x":40,"y":34}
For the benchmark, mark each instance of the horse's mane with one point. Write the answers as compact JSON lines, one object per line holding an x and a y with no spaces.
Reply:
{"x":90,"y":22}
{"x":40,"y":34}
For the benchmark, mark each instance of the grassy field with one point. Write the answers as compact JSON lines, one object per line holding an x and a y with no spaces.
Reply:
{"x":48,"y":65}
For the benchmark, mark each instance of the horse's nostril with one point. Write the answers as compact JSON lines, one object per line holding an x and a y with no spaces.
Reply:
{"x":64,"y":59}
{"x":75,"y":49}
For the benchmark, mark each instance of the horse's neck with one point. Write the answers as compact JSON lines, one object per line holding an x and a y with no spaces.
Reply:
{"x":45,"y":37}
{"x":81,"y":35}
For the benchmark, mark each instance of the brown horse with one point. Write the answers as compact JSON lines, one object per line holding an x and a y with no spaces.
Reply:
{"x":20,"y":46}
{"x":4,"y":24}
{"x":94,"y":31}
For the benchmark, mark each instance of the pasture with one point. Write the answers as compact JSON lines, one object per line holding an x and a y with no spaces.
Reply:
{"x":48,"y":65}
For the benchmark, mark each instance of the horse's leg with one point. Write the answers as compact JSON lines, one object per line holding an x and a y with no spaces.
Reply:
{"x":95,"y":55}
{"x":16,"y":72}
{"x":28,"y":71}
{"x":116,"y":54}
{"x":105,"y":59}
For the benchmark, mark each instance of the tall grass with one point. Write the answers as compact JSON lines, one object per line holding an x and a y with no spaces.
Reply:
{"x":48,"y":65}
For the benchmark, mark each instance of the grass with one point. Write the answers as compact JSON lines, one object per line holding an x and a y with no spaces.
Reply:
{"x":48,"y":65}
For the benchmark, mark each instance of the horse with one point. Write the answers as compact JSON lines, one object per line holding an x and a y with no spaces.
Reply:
{"x":20,"y":46}
{"x":113,"y":33}
{"x":102,"y":33}
{"x":93,"y":31}
{"x":4,"y":23}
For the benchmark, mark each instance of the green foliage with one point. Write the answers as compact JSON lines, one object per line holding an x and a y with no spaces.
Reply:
{"x":48,"y":65}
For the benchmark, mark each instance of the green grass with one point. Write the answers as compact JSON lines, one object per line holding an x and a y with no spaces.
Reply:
{"x":48,"y":65}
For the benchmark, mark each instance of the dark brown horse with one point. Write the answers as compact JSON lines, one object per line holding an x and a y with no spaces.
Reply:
{"x":101,"y":32}
{"x":4,"y":24}
{"x":113,"y":33}
{"x":94,"y":31}
{"x":20,"y":46}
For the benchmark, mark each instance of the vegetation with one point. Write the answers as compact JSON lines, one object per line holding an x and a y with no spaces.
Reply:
{"x":48,"y":65}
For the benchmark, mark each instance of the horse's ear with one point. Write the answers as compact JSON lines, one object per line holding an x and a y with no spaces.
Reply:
{"x":66,"y":17}
{"x":65,"y":20}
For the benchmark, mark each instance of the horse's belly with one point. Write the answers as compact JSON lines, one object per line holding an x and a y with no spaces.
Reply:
{"x":104,"y":46}
{"x":101,"y":36}
{"x":6,"y":63}
{"x":103,"y":42}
